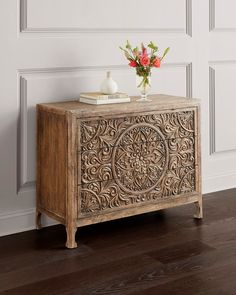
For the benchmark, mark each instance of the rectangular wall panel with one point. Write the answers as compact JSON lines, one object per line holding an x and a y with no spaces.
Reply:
{"x":108,"y":15}
{"x":224,"y":11}
{"x":222,"y":106}
{"x":55,"y":85}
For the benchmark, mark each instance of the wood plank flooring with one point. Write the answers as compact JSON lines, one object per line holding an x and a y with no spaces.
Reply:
{"x":166,"y":252}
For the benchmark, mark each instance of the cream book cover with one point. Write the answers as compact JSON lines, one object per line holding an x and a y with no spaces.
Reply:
{"x":100,"y":95}
{"x":104,"y":101}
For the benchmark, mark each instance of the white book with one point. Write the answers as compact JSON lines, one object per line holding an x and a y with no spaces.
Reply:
{"x":103,"y":101}
{"x":100,"y":95}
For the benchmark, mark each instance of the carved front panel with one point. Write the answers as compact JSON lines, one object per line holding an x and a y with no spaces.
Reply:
{"x":125,"y":161}
{"x":104,"y":133}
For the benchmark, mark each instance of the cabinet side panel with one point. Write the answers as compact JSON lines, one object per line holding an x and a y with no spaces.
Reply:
{"x":52,"y":163}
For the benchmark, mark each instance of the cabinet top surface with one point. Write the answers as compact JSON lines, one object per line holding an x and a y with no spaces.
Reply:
{"x":159,"y":102}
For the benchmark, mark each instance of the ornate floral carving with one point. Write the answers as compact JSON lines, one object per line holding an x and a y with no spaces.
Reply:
{"x":103,"y":133}
{"x":128,"y":160}
{"x":139,"y":158}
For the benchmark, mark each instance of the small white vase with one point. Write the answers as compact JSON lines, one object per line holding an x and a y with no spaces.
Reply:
{"x":108,"y":86}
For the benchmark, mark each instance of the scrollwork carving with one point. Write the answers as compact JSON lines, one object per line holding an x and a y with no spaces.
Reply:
{"x":97,"y":134}
{"x":125,"y":161}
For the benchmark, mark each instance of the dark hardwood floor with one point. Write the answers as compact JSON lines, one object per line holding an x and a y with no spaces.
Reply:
{"x":166,"y":252}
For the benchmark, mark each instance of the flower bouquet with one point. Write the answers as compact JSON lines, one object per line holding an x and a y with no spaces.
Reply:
{"x":143,"y":61}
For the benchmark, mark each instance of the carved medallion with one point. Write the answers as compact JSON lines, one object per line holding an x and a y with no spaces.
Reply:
{"x":139,"y":158}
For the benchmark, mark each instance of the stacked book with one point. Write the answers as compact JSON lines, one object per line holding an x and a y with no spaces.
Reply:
{"x":100,"y":98}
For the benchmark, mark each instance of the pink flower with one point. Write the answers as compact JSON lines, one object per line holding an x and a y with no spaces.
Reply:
{"x":145,"y":51}
{"x":157,"y":62}
{"x":144,"y":60}
{"x":133,"y":64}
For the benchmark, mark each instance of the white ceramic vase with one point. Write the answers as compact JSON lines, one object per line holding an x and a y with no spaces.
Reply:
{"x":108,"y":86}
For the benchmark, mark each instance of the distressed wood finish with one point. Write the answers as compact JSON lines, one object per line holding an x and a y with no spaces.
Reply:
{"x":94,"y":166}
{"x":51,"y":165}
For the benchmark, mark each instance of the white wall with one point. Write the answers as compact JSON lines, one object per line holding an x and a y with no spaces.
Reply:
{"x":54,"y":49}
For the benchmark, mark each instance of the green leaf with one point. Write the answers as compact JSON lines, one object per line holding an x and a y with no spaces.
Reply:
{"x":128,"y":45}
{"x":127,"y":55}
{"x":135,"y":51}
{"x":165,"y":52}
{"x":152,"y":46}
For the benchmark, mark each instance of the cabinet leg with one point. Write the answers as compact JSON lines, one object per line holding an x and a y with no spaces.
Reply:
{"x":199,"y":210}
{"x":71,"y":231}
{"x":38,"y":220}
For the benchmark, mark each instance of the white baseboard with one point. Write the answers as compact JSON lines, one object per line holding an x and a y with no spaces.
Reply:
{"x":24,"y":220}
{"x":19,"y":221}
{"x":219,"y":182}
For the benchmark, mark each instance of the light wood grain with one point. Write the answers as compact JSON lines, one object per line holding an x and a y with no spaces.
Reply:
{"x":51,"y":164}
{"x":159,"y":102}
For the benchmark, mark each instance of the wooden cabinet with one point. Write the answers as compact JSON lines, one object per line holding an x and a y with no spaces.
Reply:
{"x":106,"y":162}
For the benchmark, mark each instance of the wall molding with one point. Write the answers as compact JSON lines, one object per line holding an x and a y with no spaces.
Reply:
{"x":212,"y":107}
{"x":32,"y":71}
{"x":23,"y":15}
{"x":212,"y":130}
{"x":211,"y":15}
{"x":212,"y":20}
{"x":189,"y":80}
{"x":25,"y":28}
{"x":23,"y":184}
{"x":189,"y":18}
